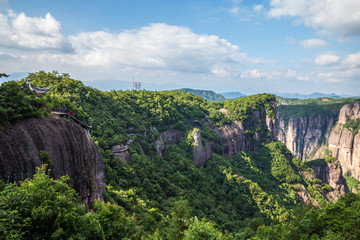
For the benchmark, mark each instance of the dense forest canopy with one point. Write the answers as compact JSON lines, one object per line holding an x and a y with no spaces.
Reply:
{"x":292,"y":108}
{"x":249,"y":195}
{"x":207,"y":94}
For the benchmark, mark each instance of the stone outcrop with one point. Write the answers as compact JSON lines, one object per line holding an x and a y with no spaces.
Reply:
{"x":122,"y":153}
{"x":201,"y":153}
{"x":234,"y":138}
{"x":244,"y":136}
{"x":332,"y":174}
{"x":72,"y":152}
{"x":159,"y":145}
{"x":344,"y":144}
{"x":172,"y":136}
{"x":306,"y":197}
{"x":303,"y":136}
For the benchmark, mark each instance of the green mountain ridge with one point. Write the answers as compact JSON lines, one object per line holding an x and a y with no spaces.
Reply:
{"x":248,"y":195}
{"x":206,"y":94}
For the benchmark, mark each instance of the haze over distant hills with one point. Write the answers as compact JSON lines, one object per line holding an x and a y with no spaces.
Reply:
{"x":232,"y":95}
{"x":312,"y":95}
{"x":207,"y":94}
{"x":112,"y":84}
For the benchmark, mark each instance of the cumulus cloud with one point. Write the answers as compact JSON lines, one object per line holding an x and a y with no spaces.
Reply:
{"x":221,"y":71}
{"x":352,"y":60}
{"x":327,"y":59}
{"x":302,"y":78}
{"x":33,"y":33}
{"x":151,"y":49}
{"x":258,"y":7}
{"x":252,"y":73}
{"x":157,"y":46}
{"x":290,"y":40}
{"x":342,"y":16}
{"x":313,"y":43}
{"x":234,"y":11}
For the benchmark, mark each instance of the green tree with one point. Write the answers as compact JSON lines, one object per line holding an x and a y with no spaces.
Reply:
{"x":202,"y":230}
{"x":43,"y":208}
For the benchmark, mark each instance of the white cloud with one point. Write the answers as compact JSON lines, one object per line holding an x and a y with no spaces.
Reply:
{"x":21,"y":32}
{"x":153,"y":48}
{"x":352,"y":60}
{"x":291,"y":73}
{"x":157,"y":46}
{"x":290,"y":40}
{"x":252,"y":73}
{"x":234,"y":11}
{"x":342,"y":16}
{"x":220,"y":71}
{"x":327,"y":59}
{"x":333,"y":80}
{"x":258,"y":7}
{"x":313,"y":43}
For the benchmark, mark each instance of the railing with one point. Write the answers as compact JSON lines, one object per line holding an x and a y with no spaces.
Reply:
{"x":121,"y":149}
{"x":65,"y":112}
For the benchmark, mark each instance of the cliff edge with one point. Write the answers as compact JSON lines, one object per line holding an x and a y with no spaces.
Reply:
{"x":72,"y":152}
{"x":344,"y":141}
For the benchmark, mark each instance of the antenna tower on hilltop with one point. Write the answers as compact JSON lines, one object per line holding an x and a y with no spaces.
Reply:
{"x":136,"y":85}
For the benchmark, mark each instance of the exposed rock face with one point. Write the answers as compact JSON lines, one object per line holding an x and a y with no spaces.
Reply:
{"x":234,"y":138}
{"x":332,"y":174}
{"x":159,"y":145}
{"x":201,"y":153}
{"x":172,"y":136}
{"x":304,"y":135}
{"x":240,"y":136}
{"x":122,"y":153}
{"x":344,"y":145}
{"x":72,"y":152}
{"x":306,"y":197}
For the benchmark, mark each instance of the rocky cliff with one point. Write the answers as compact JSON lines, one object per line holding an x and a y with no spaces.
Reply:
{"x":233,"y":138}
{"x":72,"y":152}
{"x":344,"y":141}
{"x":245,"y":136}
{"x":331,"y":173}
{"x":304,"y":135}
{"x":201,"y":152}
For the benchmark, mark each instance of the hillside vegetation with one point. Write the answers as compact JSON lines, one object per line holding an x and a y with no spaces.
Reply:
{"x":251,"y":194}
{"x":292,"y":108}
{"x":206,"y":94}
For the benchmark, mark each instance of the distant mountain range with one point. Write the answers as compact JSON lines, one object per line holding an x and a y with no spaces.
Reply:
{"x":312,"y":95}
{"x":207,"y":94}
{"x":212,"y":96}
{"x":232,"y":95}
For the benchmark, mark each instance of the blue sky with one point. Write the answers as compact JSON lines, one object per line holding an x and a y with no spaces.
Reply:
{"x":299,"y":46}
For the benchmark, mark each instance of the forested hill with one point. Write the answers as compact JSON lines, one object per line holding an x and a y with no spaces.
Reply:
{"x":207,"y":94}
{"x":249,"y":184}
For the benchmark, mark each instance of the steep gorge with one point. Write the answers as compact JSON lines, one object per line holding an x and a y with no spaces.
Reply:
{"x":304,"y":135}
{"x":233,"y":138}
{"x":72,"y":152}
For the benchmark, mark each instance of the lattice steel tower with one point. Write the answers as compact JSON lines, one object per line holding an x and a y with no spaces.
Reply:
{"x":136,"y":85}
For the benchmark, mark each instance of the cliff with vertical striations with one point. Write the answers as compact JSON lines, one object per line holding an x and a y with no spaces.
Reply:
{"x":344,"y":141}
{"x":245,"y":135}
{"x":72,"y":152}
{"x":303,"y":136}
